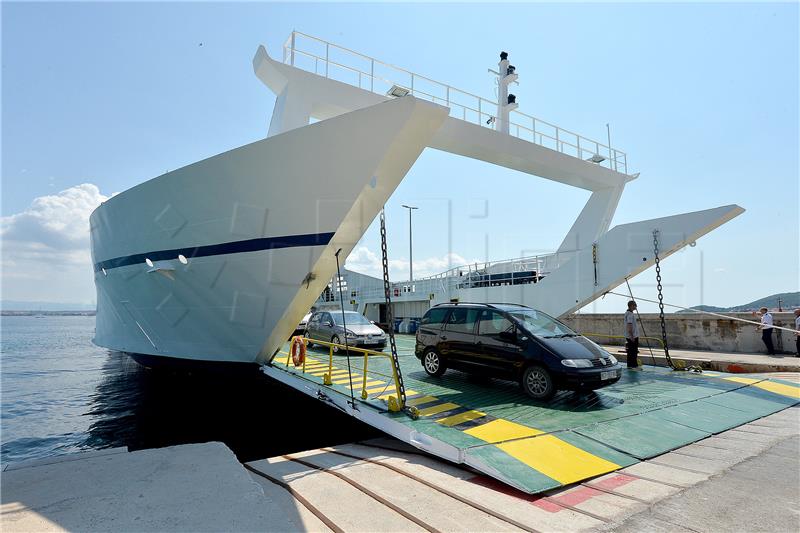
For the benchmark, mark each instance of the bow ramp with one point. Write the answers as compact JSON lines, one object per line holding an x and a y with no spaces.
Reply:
{"x":535,"y":446}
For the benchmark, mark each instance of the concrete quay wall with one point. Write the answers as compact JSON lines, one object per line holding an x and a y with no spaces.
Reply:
{"x":691,"y":331}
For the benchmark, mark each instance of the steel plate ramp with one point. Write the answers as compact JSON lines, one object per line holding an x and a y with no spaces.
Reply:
{"x":493,"y":427}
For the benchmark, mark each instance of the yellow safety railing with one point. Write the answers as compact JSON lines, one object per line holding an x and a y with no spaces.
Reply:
{"x":660,"y":341}
{"x":395,"y":401}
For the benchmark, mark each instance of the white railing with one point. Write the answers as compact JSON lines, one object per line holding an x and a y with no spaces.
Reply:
{"x":348,"y":66}
{"x":486,"y":274}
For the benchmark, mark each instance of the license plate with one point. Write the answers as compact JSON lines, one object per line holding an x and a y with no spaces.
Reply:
{"x":371,"y":341}
{"x":611,"y":374}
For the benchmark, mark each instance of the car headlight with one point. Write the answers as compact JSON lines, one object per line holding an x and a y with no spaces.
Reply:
{"x":349,"y":334}
{"x":577,"y":363}
{"x":613,"y":359}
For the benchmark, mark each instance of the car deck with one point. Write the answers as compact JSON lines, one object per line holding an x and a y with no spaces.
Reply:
{"x":494,"y":427}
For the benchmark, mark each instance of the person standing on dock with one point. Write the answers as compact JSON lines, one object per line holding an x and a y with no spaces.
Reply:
{"x":797,"y":328}
{"x":766,"y":329}
{"x":631,"y":336}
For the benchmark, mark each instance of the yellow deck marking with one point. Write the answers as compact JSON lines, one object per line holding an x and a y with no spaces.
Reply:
{"x":369,"y":384}
{"x":780,"y":388}
{"x":777,"y":388}
{"x":342,"y":381}
{"x":460,"y":418}
{"x":394,"y":393}
{"x":382,"y":388}
{"x":420,"y":400}
{"x":335,"y":373}
{"x":500,"y":430}
{"x":557,"y":459}
{"x":437,"y":409}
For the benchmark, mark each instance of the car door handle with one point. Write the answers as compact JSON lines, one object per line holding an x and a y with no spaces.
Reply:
{"x":443,"y":337}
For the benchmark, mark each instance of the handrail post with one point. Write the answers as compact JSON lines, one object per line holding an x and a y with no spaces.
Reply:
{"x":327,"y":57}
{"x":364,"y":382}
{"x":293,"y":40}
{"x":448,"y":96}
{"x":372,"y":75}
{"x":558,"y":146}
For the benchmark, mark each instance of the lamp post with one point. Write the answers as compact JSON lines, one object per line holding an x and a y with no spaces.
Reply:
{"x":410,"y":253}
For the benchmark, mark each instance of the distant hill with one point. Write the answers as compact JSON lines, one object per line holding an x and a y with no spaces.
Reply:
{"x":789,"y":300}
{"x":17,"y":305}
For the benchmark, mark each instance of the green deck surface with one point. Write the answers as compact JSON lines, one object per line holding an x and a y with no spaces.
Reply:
{"x":536,"y":446}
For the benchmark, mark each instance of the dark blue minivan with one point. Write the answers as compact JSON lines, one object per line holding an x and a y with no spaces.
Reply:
{"x":512,"y":342}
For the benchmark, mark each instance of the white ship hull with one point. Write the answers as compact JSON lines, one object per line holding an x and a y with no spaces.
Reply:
{"x":259,"y":227}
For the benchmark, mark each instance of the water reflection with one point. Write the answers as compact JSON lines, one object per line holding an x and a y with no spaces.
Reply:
{"x":255,"y":416}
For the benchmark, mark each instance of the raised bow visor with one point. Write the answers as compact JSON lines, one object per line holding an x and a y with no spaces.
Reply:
{"x":250,"y":235}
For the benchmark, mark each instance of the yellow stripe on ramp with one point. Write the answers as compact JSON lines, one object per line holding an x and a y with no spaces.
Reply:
{"x":500,"y":430}
{"x":777,"y":388}
{"x":358,"y":384}
{"x":428,"y":411}
{"x":557,"y":459}
{"x":460,"y":418}
{"x":421,"y":400}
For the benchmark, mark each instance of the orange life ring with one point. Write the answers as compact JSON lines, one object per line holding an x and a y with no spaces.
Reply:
{"x":298,"y":356}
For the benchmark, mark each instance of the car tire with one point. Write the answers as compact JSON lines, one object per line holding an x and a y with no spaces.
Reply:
{"x":538,"y":383}
{"x":335,"y":340}
{"x":433,"y":363}
{"x":309,"y":344}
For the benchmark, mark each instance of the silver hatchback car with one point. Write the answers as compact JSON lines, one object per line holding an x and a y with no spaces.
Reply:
{"x":327,"y":326}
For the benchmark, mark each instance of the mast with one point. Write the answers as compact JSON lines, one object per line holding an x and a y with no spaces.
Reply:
{"x":506,"y":102}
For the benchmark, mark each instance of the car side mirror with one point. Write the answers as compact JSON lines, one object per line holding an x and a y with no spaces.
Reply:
{"x":372,"y":322}
{"x":329,"y":324}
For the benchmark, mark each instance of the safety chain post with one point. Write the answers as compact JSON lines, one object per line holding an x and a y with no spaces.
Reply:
{"x":661,"y":300}
{"x":389,"y":314}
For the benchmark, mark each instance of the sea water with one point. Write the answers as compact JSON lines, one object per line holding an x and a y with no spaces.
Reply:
{"x":62,"y":394}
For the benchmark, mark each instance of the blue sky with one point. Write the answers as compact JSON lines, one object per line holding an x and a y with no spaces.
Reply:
{"x":703,"y":98}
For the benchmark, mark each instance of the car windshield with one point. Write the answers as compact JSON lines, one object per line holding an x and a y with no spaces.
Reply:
{"x":352,"y":319}
{"x":542,"y":325}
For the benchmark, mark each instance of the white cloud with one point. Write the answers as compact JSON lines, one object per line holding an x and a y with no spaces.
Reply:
{"x":365,"y":261}
{"x":45,"y":248}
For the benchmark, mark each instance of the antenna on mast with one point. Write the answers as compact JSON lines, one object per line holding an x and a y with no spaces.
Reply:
{"x":506,"y":102}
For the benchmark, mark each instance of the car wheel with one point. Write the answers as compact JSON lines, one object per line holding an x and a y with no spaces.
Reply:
{"x":433,"y":363}
{"x":537,"y":383}
{"x":309,"y":344}
{"x":335,"y":340}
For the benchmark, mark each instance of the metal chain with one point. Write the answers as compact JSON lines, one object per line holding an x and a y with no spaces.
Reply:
{"x":594,"y":261}
{"x":389,"y":314}
{"x":661,"y":300}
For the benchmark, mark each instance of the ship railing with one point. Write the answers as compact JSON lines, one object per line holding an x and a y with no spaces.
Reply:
{"x":359,"y":376}
{"x":354,"y":68}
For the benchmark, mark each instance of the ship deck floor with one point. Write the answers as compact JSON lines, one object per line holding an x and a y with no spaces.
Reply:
{"x":492,"y":426}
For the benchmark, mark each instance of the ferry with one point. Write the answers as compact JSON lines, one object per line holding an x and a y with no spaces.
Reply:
{"x":220,"y":260}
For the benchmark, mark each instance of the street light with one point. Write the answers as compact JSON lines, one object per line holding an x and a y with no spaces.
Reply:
{"x":410,"y":256}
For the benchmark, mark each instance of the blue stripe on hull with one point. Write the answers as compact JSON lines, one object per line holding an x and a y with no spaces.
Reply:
{"x":236,"y":247}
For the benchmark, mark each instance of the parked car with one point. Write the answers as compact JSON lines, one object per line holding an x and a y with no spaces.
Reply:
{"x":300,"y":329}
{"x":329,"y":326}
{"x":512,"y":342}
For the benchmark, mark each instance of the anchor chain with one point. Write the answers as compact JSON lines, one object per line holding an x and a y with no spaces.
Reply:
{"x":661,"y":300}
{"x":387,"y":293}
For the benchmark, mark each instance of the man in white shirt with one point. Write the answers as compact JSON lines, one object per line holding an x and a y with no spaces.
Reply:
{"x":766,"y":329}
{"x":631,"y":336}
{"x":797,"y":327}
